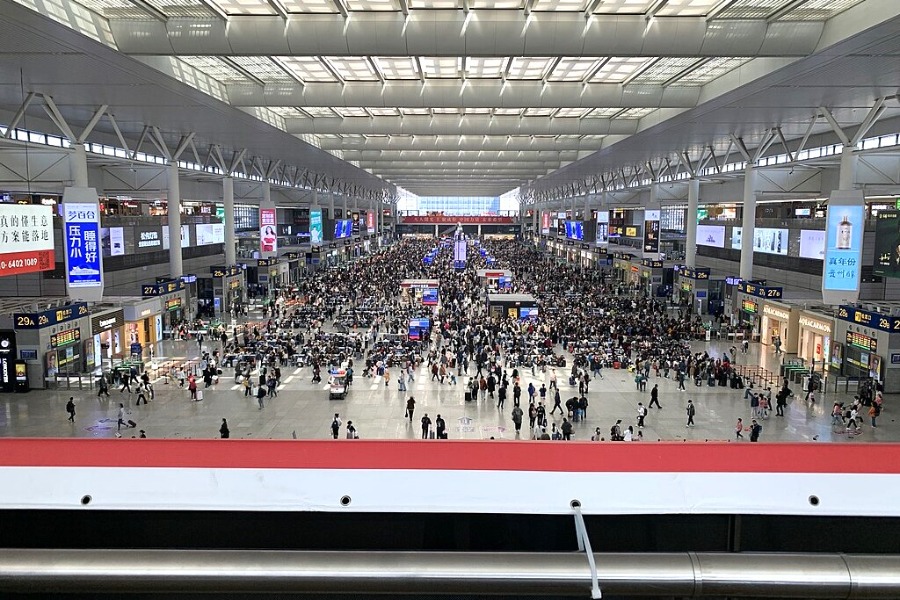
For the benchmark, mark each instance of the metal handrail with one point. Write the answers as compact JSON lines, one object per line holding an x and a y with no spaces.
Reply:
{"x":685,"y":574}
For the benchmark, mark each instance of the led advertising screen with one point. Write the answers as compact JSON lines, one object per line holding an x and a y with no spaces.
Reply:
{"x":545,"y":222}
{"x":561,"y":228}
{"x":770,"y":241}
{"x":26,"y":238}
{"x":370,"y":221}
{"x":210,"y":233}
{"x":528,"y":313}
{"x":268,"y":235}
{"x":843,"y":247}
{"x":574,"y":230}
{"x":602,"y":227}
{"x":356,"y":219}
{"x":812,"y":243}
{"x":711,"y":235}
{"x":112,"y":241}
{"x":887,"y":243}
{"x":651,"y":231}
{"x":343,"y":228}
{"x":430,"y":296}
{"x":315,"y":226}
{"x":84,"y":267}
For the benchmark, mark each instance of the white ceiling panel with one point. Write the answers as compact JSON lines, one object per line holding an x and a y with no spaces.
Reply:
{"x":244,"y":7}
{"x":686,"y":8}
{"x":441,"y":68}
{"x":309,"y":6}
{"x":403,"y":67}
{"x":623,"y":7}
{"x":477,"y":67}
{"x":306,"y":68}
{"x":263,"y":68}
{"x":573,"y":68}
{"x":371,"y":5}
{"x":819,"y":10}
{"x":528,"y":68}
{"x":216,"y":68}
{"x":352,"y":68}
{"x":618,"y":69}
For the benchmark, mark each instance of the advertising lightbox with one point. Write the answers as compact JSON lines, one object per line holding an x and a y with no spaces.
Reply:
{"x":711,"y":235}
{"x":81,"y":236}
{"x":26,"y":239}
{"x":315,"y":226}
{"x":887,"y":243}
{"x":812,"y":243}
{"x":268,"y":236}
{"x":602,"y":227}
{"x":842,"y":266}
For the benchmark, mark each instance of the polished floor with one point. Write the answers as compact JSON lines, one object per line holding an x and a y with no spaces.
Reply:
{"x":302,"y":409}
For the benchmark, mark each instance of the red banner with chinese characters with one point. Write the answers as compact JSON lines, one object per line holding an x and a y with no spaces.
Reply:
{"x":16,"y":263}
{"x":454,"y":219}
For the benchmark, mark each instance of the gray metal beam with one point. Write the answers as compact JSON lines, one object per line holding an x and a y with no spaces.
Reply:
{"x":684,"y":574}
{"x":476,"y":125}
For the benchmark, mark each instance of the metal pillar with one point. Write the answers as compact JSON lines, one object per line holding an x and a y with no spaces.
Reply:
{"x":228,"y":201}
{"x":690,"y":250}
{"x":78,"y":164}
{"x":331,"y":205}
{"x":849,"y":160}
{"x":748,"y":224}
{"x":176,"y":267}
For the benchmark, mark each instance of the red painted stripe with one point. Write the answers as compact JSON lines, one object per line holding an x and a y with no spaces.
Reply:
{"x":665,"y":457}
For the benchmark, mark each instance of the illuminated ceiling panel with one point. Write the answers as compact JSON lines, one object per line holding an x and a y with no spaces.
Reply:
{"x":116,"y":9}
{"x":262,"y":67}
{"x":528,"y":68}
{"x":318,"y":111}
{"x":538,"y":112}
{"x":441,"y":68}
{"x":383,"y":112}
{"x":414,"y":111}
{"x":181,"y":8}
{"x":569,"y":113}
{"x":351,"y":111}
{"x":623,"y":7}
{"x":485,"y":67}
{"x":710,"y":70}
{"x":309,"y":6}
{"x":244,"y":7}
{"x":572,"y":69}
{"x":687,"y":8}
{"x":635,"y":113}
{"x":477,"y":111}
{"x":445,"y":111}
{"x":509,"y":112}
{"x":495,"y":4}
{"x":751,"y":9}
{"x":602,"y":113}
{"x":664,"y":69}
{"x":289,"y":112}
{"x":306,"y":68}
{"x":617,"y":70}
{"x":215,"y":67}
{"x":403,"y":67}
{"x":559,"y":5}
{"x":352,"y":68}
{"x":819,"y":10}
{"x":371,"y":5}
{"x":433,"y":4}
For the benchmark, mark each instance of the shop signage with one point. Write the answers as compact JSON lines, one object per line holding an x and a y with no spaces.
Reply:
{"x":815,"y":324}
{"x":869,"y":319}
{"x":26,"y":239}
{"x":173,"y":304}
{"x":225,"y":271}
{"x":50,"y":317}
{"x":842,"y":266}
{"x":691,"y":273}
{"x":81,"y":235}
{"x":235,"y":283}
{"x":759,"y":290}
{"x":778,"y":313}
{"x":148,"y":239}
{"x":454,"y":219}
{"x":7,"y":360}
{"x":315,"y":226}
{"x":162,"y":288}
{"x":631,"y":232}
{"x":266,"y":262}
{"x":107,"y":321}
{"x":653,"y":264}
{"x":651,"y":231}
{"x":315,"y":249}
{"x":32,"y":354}
{"x":370,"y":221}
{"x":687,"y":286}
{"x":189,"y":279}
{"x":733,"y":280}
{"x":863,"y":342}
{"x":749,"y":306}
{"x":65,"y":338}
{"x":895,"y":358}
{"x":634,"y":269}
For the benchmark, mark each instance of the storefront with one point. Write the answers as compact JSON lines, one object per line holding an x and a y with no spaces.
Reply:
{"x":748,"y":313}
{"x":814,"y":337}
{"x":51,"y":342}
{"x":778,"y":322}
{"x":222,"y":291}
{"x":692,"y":289}
{"x":143,"y":325}
{"x":173,"y":300}
{"x":106,"y":343}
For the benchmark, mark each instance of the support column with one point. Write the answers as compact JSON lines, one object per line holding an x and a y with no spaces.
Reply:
{"x":266,"y":192}
{"x":230,"y":241}
{"x":690,"y":249}
{"x":436,"y":232}
{"x":479,"y":230}
{"x":748,"y":224}
{"x":78,"y":164}
{"x":331,"y":205}
{"x":849,"y":160}
{"x":176,"y":267}
{"x":346,"y":209}
{"x":587,"y":208}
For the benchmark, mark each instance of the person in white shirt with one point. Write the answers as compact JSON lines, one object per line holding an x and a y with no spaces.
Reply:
{"x":629,"y":434}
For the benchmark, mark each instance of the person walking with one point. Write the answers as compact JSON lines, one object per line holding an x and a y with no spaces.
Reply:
{"x":517,"y":415}
{"x":261,"y":396}
{"x":501,"y":396}
{"x":336,"y":426}
{"x":103,"y":386}
{"x":641,"y":412}
{"x":739,"y":429}
{"x":141,"y":396}
{"x":566,"y":429}
{"x":126,"y":384}
{"x":426,"y":425}
{"x":517,"y":393}
{"x":70,"y":408}
{"x":531,"y":392}
{"x":224,"y":432}
{"x":654,"y":397}
{"x":691,"y":411}
{"x":121,"y":418}
{"x":557,"y":403}
{"x":440,"y":427}
{"x":410,"y":408}
{"x":192,"y":387}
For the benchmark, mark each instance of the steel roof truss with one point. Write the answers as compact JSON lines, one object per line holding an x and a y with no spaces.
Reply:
{"x":738,"y":143}
{"x":838,"y":130}
{"x":53,"y":112}
{"x":768,"y":139}
{"x":182,"y":146}
{"x":140,"y":142}
{"x":237,"y":158}
{"x":118,"y":132}
{"x":156,"y":138}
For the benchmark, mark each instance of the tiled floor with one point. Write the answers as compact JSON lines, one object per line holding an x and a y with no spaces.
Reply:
{"x":378,"y":411}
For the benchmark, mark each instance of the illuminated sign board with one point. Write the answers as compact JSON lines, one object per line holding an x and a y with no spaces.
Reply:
{"x":162,"y":288}
{"x":869,"y":319}
{"x":50,"y":317}
{"x":602,"y":227}
{"x":651,"y":231}
{"x":107,"y":321}
{"x":81,"y":236}
{"x":224,"y":271}
{"x":268,"y":236}
{"x":749,"y":306}
{"x":842,"y":267}
{"x":699,"y":273}
{"x":776,"y":312}
{"x":863,"y":342}
{"x":631,"y":232}
{"x":759,"y":290}
{"x":65,"y":338}
{"x":173,"y":304}
{"x":887,"y":243}
{"x":26,"y":239}
{"x":815,"y":324}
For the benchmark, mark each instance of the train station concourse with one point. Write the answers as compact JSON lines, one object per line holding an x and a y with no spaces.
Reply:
{"x":449,"y":299}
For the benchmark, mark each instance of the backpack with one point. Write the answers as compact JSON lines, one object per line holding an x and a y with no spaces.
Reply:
{"x":335,"y":425}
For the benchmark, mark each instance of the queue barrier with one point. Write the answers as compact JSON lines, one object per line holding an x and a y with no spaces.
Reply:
{"x":849,"y":383}
{"x":68,"y":381}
